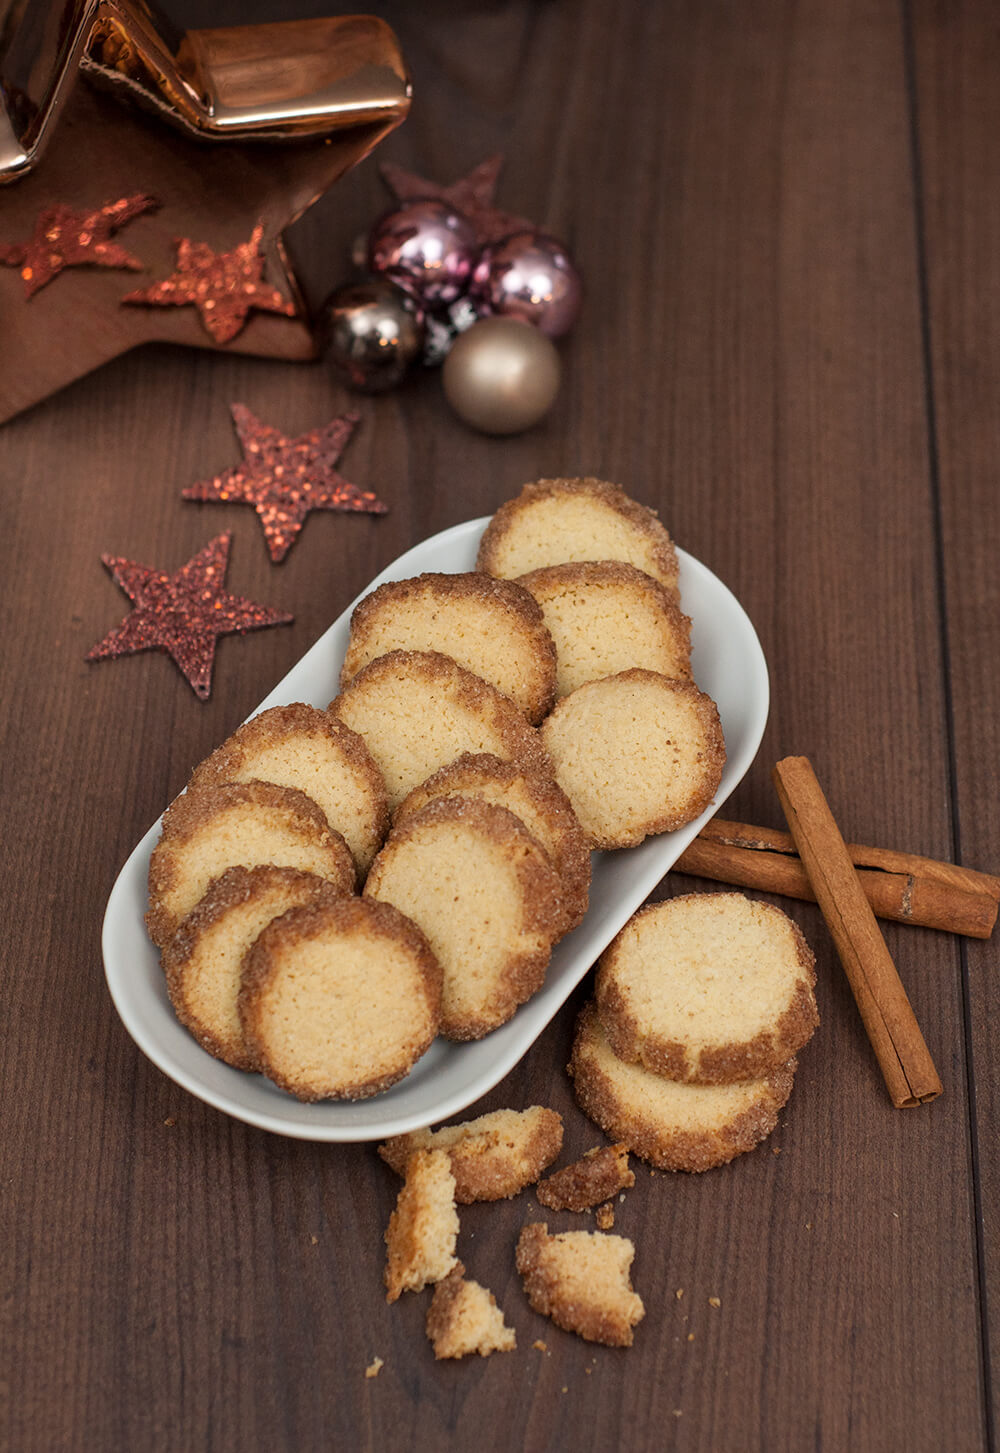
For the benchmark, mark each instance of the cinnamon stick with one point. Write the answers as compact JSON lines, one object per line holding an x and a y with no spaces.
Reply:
{"x":915,"y":890}
{"x":888,"y":1017}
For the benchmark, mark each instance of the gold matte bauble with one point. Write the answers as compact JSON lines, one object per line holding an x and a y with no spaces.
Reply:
{"x":501,"y":376}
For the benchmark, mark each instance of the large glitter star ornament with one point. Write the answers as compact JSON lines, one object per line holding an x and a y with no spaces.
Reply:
{"x":223,"y":286}
{"x":183,"y":614}
{"x":284,"y":479}
{"x":472,"y":195}
{"x":65,"y":237}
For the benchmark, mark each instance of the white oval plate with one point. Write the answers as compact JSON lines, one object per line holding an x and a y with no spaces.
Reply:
{"x":727,"y":662}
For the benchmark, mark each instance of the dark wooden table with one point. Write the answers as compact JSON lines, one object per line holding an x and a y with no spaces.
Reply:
{"x":788,"y":217}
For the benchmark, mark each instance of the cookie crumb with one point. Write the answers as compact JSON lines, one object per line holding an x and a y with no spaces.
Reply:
{"x":170,"y":1120}
{"x":679,"y":1293}
{"x":374,"y":1367}
{"x":775,"y":1149}
{"x":690,"y":1336}
{"x":604,"y":1216}
{"x":715,"y":1301}
{"x":540,"y":1345}
{"x":314,"y":1240}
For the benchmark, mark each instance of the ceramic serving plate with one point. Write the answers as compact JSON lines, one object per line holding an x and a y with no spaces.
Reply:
{"x":727,"y":662}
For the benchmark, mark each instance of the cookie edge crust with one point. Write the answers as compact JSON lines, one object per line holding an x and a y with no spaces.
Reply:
{"x":507,"y":1176}
{"x":592,"y":1323}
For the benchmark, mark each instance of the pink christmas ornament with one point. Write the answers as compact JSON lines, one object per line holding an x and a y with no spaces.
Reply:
{"x":530,"y":276}
{"x":427,"y":249}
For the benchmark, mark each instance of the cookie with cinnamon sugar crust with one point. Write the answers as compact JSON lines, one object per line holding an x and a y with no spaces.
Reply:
{"x":709,"y":988}
{"x":553,"y":521}
{"x":463,"y":1318}
{"x":536,"y":798}
{"x":417,"y":710}
{"x":494,"y":628}
{"x":492,"y":1157}
{"x":302,"y":746}
{"x":672,"y":1125}
{"x":580,"y":1279}
{"x":423,"y":1229}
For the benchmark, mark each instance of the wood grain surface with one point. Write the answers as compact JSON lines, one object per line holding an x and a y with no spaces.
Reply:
{"x":787,"y":218}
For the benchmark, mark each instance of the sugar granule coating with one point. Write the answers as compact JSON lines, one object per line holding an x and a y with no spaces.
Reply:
{"x":709,"y":988}
{"x":580,"y":1279}
{"x":597,"y":1176}
{"x":492,"y":1157}
{"x":423,"y":1229}
{"x":463,"y":1318}
{"x":494,"y":628}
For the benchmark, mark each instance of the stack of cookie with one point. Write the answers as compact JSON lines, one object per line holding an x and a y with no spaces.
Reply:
{"x":687,"y":1052}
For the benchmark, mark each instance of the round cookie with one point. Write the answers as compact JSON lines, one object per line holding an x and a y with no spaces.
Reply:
{"x":557,"y":520}
{"x":709,"y":987}
{"x":339,"y":999}
{"x":204,"y":959}
{"x":493,"y":628}
{"x":671,"y":1125}
{"x":237,"y":824}
{"x":301,"y":746}
{"x":486,"y":895}
{"x":636,"y":753}
{"x":417,"y":710}
{"x":605,"y":616}
{"x":530,"y":794}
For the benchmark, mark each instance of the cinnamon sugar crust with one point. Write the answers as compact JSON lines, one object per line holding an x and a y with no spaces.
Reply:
{"x":463,"y":1318}
{"x":423,"y":1229}
{"x":580,"y":1279}
{"x":302,"y":746}
{"x":486,"y":895}
{"x":597,"y":1176}
{"x":673,"y":1126}
{"x":202,"y":962}
{"x":418,"y":710}
{"x":492,"y":1157}
{"x":339,"y":999}
{"x":709,"y":988}
{"x":494,"y":628}
{"x":531,"y":794}
{"x":208,"y":830}
{"x":553,"y":521}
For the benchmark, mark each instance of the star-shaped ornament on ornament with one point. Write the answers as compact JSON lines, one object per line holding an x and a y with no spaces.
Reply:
{"x":472,"y":195}
{"x":64,"y":237}
{"x":285,"y":479}
{"x":223,"y":286}
{"x":183,"y":614}
{"x":232,"y":130}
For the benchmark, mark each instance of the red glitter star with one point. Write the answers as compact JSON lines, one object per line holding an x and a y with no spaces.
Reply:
{"x":471,"y":195}
{"x":223,"y":286}
{"x":286,"y":478}
{"x":183,"y":614}
{"x":65,"y":238}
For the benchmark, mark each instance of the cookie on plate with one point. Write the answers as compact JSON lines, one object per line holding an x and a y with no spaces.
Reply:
{"x":636,"y":753}
{"x":553,"y":521}
{"x":418,"y":710}
{"x":339,"y":999}
{"x":463,"y":1317}
{"x":301,"y":746}
{"x":709,"y":988}
{"x":486,"y":895}
{"x":492,"y":1157}
{"x":580,"y":1279}
{"x":493,"y":628}
{"x":204,"y":959}
{"x":672,"y":1125}
{"x":237,"y":825}
{"x":605,"y":616}
{"x":423,"y":1229}
{"x":529,"y":793}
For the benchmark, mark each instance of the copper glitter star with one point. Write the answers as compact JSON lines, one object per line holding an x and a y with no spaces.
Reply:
{"x":286,"y":478}
{"x":183,"y":614}
{"x":67,"y":238}
{"x":223,"y":286}
{"x":471,"y":195}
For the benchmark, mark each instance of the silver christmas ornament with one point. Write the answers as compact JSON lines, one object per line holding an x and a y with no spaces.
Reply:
{"x":374,"y":334}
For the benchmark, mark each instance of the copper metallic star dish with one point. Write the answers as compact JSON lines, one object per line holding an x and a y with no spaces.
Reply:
{"x":183,"y":614}
{"x":472,"y":195}
{"x":285,"y":479}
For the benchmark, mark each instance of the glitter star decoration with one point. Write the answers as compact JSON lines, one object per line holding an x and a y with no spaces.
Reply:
{"x":472,"y":195}
{"x":223,"y":286}
{"x":64,"y":237}
{"x":284,"y":479}
{"x":183,"y":614}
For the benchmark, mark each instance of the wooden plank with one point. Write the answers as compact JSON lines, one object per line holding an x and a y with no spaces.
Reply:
{"x":736,"y":183}
{"x":956,"y":53}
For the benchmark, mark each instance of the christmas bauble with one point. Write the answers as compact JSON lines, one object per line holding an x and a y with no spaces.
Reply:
{"x":374,"y":332}
{"x":530,"y":275}
{"x":501,"y":375}
{"x":426,"y":248}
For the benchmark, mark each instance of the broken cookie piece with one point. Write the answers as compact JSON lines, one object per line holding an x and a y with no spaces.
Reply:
{"x":423,"y":1229}
{"x":580,"y":1279}
{"x":493,"y":1157}
{"x":464,"y":1317}
{"x":595,"y":1177}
